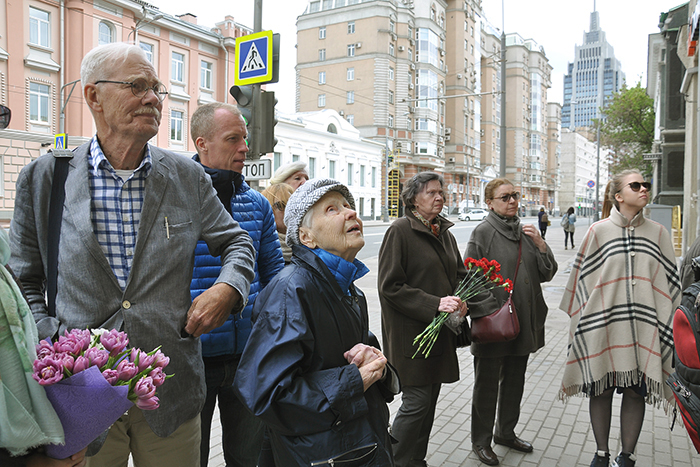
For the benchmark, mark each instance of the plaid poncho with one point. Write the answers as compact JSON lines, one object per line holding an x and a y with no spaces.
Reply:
{"x":621,"y":295}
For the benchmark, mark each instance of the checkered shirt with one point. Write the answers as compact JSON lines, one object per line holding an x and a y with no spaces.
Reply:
{"x":115,"y":208}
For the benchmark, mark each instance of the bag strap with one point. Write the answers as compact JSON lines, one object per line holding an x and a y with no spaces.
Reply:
{"x":520,"y":251}
{"x":58,"y":195}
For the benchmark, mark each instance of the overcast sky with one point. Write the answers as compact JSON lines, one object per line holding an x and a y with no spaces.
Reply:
{"x":557,"y":25}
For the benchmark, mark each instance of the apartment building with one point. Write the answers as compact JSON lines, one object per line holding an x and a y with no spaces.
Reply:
{"x":413,"y":75}
{"x":42,"y":44}
{"x":552,"y":178}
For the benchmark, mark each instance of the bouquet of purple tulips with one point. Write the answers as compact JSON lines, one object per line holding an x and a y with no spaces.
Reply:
{"x":92,"y":378}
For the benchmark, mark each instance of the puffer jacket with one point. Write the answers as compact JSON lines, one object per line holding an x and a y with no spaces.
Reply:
{"x":254,"y":214}
{"x":293,"y":375}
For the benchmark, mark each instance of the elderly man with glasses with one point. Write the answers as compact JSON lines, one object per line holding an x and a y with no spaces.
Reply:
{"x":130,"y":222}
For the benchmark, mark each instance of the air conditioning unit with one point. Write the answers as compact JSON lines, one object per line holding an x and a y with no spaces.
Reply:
{"x":441,"y":139}
{"x":459,"y":75}
{"x":482,"y":132}
{"x":447,"y":137}
{"x":398,"y":145}
{"x":358,"y":45}
{"x":410,"y":85}
{"x":442,"y":52}
{"x":401,"y":48}
{"x":341,"y":112}
{"x":451,"y":159}
{"x":413,"y":66}
{"x":448,"y":131}
{"x":411,"y":109}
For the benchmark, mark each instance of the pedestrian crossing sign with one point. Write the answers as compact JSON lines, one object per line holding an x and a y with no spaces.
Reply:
{"x":59,"y":141}
{"x":253,"y":58}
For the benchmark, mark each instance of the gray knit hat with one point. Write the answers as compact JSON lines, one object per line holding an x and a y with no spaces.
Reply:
{"x":304,"y":198}
{"x":286,"y":171}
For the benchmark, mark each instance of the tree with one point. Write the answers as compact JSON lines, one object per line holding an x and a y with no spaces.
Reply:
{"x":628,"y":129}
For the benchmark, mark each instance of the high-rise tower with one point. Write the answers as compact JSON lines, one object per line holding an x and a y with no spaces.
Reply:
{"x":593,"y":76}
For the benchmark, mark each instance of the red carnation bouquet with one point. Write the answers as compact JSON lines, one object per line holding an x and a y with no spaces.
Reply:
{"x":91,"y":379}
{"x":482,"y":275}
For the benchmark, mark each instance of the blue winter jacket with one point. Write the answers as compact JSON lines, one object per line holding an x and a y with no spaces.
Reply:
{"x":254,"y":214}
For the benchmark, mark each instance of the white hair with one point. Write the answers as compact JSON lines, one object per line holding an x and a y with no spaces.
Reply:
{"x":100,"y":62}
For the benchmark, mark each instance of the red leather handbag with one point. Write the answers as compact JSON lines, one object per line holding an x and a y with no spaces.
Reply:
{"x":501,"y":326}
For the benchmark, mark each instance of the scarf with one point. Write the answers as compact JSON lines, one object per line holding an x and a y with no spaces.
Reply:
{"x":433,"y":226}
{"x":27,"y":418}
{"x":621,"y":295}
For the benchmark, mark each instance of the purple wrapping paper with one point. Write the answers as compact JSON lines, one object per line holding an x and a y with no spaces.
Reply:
{"x":87,"y":405}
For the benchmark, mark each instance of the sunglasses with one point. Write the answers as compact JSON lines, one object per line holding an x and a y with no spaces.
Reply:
{"x":636,"y":186}
{"x":505,"y":198}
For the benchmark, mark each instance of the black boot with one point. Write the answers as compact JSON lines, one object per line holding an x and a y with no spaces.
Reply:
{"x":601,"y":461}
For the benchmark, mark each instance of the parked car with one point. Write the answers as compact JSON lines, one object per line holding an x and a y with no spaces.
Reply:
{"x":473,"y":215}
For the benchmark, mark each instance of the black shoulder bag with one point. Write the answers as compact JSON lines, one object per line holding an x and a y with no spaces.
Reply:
{"x":58,"y":195}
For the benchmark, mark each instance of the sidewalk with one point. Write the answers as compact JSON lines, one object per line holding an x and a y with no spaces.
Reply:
{"x":560,"y":432}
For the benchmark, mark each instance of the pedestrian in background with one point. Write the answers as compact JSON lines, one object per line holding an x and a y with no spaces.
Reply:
{"x":219,"y":134}
{"x":419,"y":269}
{"x":499,"y":368}
{"x":543,"y":219}
{"x":293,"y":174}
{"x":621,"y":295}
{"x":278,"y":194}
{"x":568,"y":221}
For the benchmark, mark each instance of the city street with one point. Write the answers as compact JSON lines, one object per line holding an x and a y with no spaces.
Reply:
{"x":560,"y":432}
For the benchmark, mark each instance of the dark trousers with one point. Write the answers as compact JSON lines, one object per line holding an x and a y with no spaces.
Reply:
{"x":568,"y":235}
{"x":413,"y":423}
{"x":498,"y":386}
{"x":543,"y":229}
{"x":241,"y":432}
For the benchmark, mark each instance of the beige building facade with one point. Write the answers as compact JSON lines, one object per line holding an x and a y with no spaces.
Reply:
{"x":423,"y":77}
{"x":42,"y":44}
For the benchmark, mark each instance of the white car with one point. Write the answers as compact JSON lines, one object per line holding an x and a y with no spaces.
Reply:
{"x":473,"y":215}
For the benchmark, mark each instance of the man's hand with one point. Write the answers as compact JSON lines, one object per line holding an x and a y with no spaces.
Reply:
{"x":370,"y":361}
{"x":211,"y":309}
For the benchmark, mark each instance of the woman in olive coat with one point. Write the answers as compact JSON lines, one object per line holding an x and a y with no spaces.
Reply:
{"x":419,"y":269}
{"x":499,"y":368}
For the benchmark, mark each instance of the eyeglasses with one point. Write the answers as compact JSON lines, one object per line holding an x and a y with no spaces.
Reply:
{"x":636,"y":186}
{"x":139,"y":88}
{"x":505,"y":198}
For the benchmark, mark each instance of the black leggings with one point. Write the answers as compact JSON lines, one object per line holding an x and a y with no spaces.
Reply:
{"x":568,"y":234}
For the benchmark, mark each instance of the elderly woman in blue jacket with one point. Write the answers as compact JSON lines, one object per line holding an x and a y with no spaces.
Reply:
{"x":311,"y":369}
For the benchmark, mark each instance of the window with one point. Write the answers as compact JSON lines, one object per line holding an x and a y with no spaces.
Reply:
{"x":148,"y":49}
{"x":176,"y":125}
{"x":351,"y":119}
{"x":391,"y":121}
{"x":322,"y":32}
{"x":295,"y":157}
{"x":276,"y":161}
{"x":321,"y":100}
{"x":105,"y":33}
{"x":178,"y":67}
{"x":39,"y":29}
{"x":351,"y":50}
{"x":350,"y":97}
{"x":321,"y":55}
{"x":312,"y":167}
{"x":391,"y":49}
{"x":350,"y":168}
{"x":362,"y":175}
{"x":331,"y":169}
{"x":206,"y":74}
{"x":374,"y":177}
{"x":391,"y":73}
{"x":39,"y":102}
{"x":351,"y":27}
{"x":351,"y":74}
{"x":391,"y":97}
{"x":321,"y":77}
{"x":392,"y":26}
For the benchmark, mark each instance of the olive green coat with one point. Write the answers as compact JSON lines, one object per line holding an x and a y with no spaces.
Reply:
{"x":496,"y":238}
{"x":417,"y":269}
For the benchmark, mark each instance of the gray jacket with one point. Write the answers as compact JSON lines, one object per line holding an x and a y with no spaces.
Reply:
{"x":153,"y":307}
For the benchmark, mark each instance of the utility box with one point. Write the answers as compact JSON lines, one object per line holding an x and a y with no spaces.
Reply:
{"x":661,"y":213}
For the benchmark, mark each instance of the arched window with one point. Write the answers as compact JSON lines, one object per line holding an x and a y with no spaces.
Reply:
{"x":105,"y":33}
{"x":332,"y":129}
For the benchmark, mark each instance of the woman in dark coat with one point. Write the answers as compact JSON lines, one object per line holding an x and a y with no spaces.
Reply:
{"x":310,"y":370}
{"x":499,"y":369}
{"x":419,"y":269}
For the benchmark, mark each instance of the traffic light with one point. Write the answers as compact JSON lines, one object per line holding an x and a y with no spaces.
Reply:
{"x":267,"y":140}
{"x":244,"y":98}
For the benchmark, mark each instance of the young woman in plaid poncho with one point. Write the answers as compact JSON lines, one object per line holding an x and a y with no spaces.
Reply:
{"x":621,"y":295}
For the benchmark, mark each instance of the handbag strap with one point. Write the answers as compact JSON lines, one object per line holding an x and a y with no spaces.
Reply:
{"x":520,"y":251}
{"x":58,"y":195}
